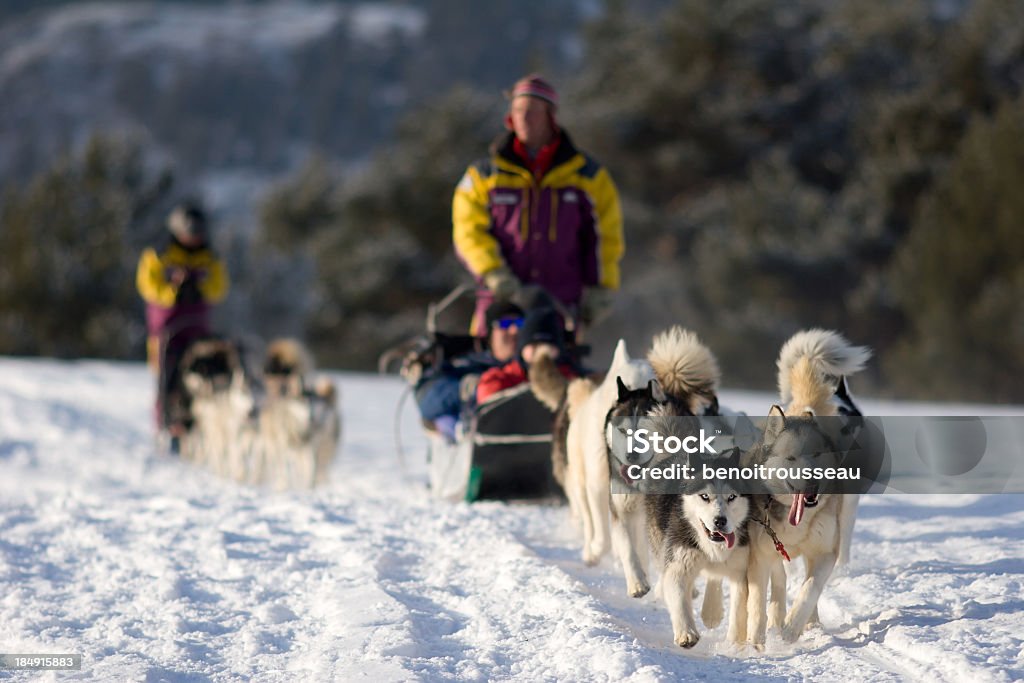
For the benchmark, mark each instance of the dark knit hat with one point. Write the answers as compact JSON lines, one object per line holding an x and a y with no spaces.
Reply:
{"x":535,"y":85}
{"x":541,"y":326}
{"x":187,"y":220}
{"x":499,"y":310}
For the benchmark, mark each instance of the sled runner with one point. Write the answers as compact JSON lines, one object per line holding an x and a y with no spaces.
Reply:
{"x":502,"y":448}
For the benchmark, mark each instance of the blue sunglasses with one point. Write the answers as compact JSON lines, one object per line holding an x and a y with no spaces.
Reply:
{"x":505,"y":323}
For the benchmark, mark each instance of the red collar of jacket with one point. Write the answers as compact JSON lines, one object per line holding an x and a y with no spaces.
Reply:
{"x":541,"y":163}
{"x":504,"y":146}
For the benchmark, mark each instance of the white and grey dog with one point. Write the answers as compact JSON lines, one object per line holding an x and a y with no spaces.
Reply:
{"x":587,"y":482}
{"x":221,"y":401}
{"x":703,"y":532}
{"x":687,"y":376}
{"x":817,"y":526}
{"x":299,"y":425}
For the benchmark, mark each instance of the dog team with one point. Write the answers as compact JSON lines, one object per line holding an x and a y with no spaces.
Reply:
{"x":283,"y":431}
{"x":710,"y":528}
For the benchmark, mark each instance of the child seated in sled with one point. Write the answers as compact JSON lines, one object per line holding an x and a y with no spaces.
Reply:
{"x":542,"y":334}
{"x":443,"y":393}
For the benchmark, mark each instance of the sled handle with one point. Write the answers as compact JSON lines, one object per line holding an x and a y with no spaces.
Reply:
{"x":435,"y":309}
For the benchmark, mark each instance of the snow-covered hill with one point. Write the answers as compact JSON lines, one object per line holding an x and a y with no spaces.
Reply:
{"x":157,"y":571}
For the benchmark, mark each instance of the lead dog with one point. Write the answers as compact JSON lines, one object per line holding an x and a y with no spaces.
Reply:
{"x":812,"y":368}
{"x":701,"y":532}
{"x":686,"y":380}
{"x":299,"y":426}
{"x":221,"y":400}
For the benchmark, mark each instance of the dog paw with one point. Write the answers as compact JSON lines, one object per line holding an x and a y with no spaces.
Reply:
{"x":790,"y":633}
{"x":759,"y":647}
{"x":639,"y":588}
{"x":589,"y":558}
{"x":687,"y":639}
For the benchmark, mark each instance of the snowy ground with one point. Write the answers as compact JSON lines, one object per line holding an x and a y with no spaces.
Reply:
{"x":156,"y":571}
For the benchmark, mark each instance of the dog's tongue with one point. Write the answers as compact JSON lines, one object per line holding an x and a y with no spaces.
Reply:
{"x":796,"y":510}
{"x":730,"y":539}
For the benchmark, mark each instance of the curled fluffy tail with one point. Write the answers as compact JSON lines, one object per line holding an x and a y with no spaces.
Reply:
{"x":684,"y":367}
{"x":325,"y":389}
{"x":810,"y":365}
{"x":579,"y":390}
{"x":547,"y":383}
{"x":288,"y":356}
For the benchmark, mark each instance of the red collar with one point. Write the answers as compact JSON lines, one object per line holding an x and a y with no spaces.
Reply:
{"x":540,"y":164}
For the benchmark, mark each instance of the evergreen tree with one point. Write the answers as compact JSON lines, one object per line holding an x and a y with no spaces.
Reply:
{"x":959,"y":277}
{"x":70,"y":240}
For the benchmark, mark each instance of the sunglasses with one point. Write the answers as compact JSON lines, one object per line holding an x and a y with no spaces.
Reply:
{"x":505,"y":323}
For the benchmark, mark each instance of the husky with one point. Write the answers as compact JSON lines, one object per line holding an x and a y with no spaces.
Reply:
{"x":299,"y":425}
{"x":808,"y":523}
{"x":587,"y":483}
{"x":222,"y":403}
{"x":703,"y":531}
{"x":686,"y":381}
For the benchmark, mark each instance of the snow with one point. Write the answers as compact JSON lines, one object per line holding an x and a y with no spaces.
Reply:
{"x":154,"y":570}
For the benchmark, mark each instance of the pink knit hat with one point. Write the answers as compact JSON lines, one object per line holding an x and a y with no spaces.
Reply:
{"x":534,"y":85}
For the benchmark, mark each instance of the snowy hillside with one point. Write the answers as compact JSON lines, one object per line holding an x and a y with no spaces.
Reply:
{"x":156,"y":571}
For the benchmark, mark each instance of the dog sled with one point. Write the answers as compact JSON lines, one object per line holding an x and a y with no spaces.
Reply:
{"x":502,"y":448}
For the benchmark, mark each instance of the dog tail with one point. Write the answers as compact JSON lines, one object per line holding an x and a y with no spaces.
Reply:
{"x":576,"y":393}
{"x":287,"y":356}
{"x":810,"y":365}
{"x":547,"y":383}
{"x":683,"y":365}
{"x":325,"y":389}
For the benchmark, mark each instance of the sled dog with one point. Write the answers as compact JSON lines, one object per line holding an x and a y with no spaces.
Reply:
{"x":552,"y":388}
{"x":703,"y":531}
{"x":587,"y":483}
{"x":299,"y":426}
{"x":686,"y":380}
{"x":222,"y":402}
{"x":817,"y":526}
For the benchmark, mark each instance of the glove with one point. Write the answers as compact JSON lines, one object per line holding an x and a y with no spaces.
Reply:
{"x":595,"y":304}
{"x":502,"y":283}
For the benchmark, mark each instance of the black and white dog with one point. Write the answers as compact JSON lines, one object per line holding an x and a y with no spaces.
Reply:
{"x":221,"y":403}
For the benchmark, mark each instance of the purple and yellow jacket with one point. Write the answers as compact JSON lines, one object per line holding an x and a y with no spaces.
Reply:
{"x":562,"y":232}
{"x":166,"y":307}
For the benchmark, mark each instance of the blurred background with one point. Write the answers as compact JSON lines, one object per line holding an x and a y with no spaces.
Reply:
{"x":851,"y":164}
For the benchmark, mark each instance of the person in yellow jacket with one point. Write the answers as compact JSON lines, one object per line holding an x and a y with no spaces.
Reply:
{"x":179,"y":282}
{"x":539,"y":211}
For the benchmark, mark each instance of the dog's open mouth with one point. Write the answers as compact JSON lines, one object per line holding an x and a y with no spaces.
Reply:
{"x":624,"y":473}
{"x":801,"y":501}
{"x":720,"y":536}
